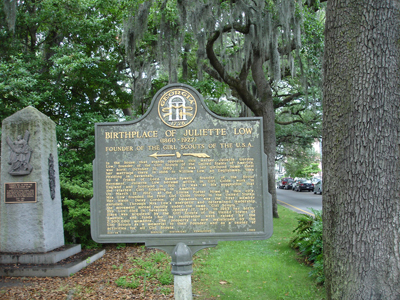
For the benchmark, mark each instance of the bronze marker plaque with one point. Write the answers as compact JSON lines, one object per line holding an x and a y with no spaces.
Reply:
{"x":180,"y":174}
{"x":20,"y":192}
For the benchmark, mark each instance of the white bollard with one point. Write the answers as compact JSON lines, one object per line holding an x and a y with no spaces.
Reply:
{"x":183,"y":287}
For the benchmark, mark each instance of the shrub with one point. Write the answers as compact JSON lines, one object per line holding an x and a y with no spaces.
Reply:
{"x":308,"y":241}
{"x":76,"y":152}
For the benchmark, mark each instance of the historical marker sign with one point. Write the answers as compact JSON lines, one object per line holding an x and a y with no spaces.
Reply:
{"x":180,"y":174}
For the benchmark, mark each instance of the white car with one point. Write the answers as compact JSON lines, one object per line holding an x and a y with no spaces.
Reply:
{"x":318,"y":188}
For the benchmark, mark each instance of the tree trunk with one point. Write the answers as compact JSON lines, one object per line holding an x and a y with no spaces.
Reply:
{"x":267,"y":111}
{"x":361,"y":205}
{"x":270,"y":150}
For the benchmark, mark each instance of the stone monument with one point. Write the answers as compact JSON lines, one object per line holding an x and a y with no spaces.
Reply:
{"x":30,"y":210}
{"x":31,"y":223}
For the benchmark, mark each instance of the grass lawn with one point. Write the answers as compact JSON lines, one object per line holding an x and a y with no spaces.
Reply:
{"x":255,"y":270}
{"x":266,"y":269}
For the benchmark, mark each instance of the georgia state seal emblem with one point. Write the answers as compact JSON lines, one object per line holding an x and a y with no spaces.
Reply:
{"x":177,"y":108}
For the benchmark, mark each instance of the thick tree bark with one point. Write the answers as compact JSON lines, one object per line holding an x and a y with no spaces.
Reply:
{"x":361,"y":204}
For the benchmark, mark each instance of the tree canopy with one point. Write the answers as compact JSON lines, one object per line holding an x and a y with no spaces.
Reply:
{"x":304,"y":165}
{"x":64,"y":58}
{"x":253,"y":47}
{"x":82,"y":62}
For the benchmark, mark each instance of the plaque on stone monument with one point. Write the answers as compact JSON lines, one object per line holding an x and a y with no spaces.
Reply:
{"x":20,"y":192}
{"x":180,"y":174}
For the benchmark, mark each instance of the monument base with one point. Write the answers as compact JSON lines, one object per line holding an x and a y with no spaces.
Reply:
{"x":57,"y":263}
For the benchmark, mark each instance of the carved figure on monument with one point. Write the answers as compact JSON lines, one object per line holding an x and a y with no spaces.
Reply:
{"x":52,"y":177}
{"x":20,"y":155}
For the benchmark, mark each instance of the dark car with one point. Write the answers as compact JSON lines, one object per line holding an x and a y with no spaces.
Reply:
{"x":284,"y":182}
{"x":304,"y":185}
{"x":289,"y":183}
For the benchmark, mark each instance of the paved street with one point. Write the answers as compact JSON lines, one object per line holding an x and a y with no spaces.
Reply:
{"x":300,"y":202}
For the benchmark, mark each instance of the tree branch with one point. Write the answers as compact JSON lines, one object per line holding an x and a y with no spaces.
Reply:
{"x":287,"y":100}
{"x":289,"y":122}
{"x":235,"y":83}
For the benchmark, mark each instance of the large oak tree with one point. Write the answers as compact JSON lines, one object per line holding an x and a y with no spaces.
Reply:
{"x":249,"y":45}
{"x":361,"y":207}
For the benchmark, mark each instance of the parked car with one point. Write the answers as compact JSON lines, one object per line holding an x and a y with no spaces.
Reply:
{"x":283,"y":182}
{"x":295,"y":183}
{"x":288,"y":185}
{"x":304,"y":185}
{"x":318,"y":188}
{"x":315,"y":180}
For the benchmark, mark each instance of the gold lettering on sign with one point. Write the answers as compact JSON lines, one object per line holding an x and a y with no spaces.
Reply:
{"x":180,"y":180}
{"x":204,"y":132}
{"x":165,"y":195}
{"x":242,"y":131}
{"x":130,"y":134}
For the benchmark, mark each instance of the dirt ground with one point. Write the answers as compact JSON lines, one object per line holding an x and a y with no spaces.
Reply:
{"x":99,"y":280}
